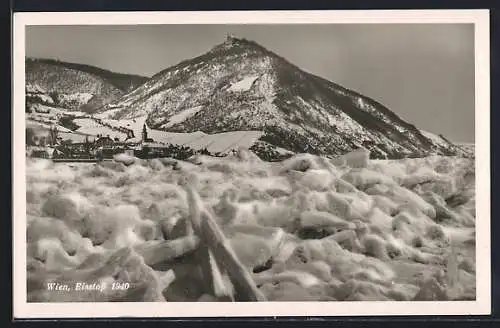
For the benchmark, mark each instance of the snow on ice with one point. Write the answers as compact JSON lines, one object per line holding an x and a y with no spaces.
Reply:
{"x":308,"y":228}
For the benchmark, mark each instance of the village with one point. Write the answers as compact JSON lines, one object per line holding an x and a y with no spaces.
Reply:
{"x":102,"y":147}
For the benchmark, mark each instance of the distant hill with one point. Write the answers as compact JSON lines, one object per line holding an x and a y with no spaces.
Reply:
{"x":76,"y":86}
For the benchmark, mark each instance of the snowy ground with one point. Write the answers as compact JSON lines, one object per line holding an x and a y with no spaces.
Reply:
{"x":182,"y":116}
{"x":90,"y":127}
{"x":214,"y":143}
{"x":219,"y":142}
{"x":309,"y":228}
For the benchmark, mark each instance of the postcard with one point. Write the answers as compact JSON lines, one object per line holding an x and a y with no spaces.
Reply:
{"x":259,"y":163}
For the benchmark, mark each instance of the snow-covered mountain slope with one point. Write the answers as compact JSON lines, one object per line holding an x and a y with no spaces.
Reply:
{"x":239,"y":85}
{"x":40,"y":119}
{"x":468,"y":146}
{"x":75,"y":86}
{"x":441,"y":141}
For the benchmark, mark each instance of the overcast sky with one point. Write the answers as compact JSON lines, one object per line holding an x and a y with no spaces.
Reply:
{"x":422,"y":72}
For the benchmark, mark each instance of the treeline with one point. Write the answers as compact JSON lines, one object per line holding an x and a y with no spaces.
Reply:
{"x":128,"y":132}
{"x":67,"y":122}
{"x":267,"y":153}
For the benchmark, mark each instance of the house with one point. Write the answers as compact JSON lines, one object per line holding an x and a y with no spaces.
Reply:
{"x":105,"y":152}
{"x":40,"y":152}
{"x":58,"y":154}
{"x":106,"y":147}
{"x":151,"y":150}
{"x":147,"y":148}
{"x":104,"y":142}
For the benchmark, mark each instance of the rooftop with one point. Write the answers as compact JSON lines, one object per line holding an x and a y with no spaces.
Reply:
{"x":154,"y":145}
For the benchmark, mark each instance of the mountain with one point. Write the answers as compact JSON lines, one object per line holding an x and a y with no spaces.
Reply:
{"x":240,"y":85}
{"x":75,"y":86}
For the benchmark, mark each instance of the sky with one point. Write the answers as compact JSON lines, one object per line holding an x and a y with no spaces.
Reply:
{"x":422,"y":72}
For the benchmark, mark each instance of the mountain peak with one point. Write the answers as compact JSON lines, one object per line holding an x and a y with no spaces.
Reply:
{"x":241,"y":86}
{"x":231,"y":37}
{"x":233,"y":42}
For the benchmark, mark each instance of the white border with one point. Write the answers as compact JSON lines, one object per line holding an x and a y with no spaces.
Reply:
{"x":481,"y":306}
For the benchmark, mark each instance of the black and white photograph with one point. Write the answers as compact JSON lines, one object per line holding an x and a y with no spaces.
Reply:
{"x":327,"y":163}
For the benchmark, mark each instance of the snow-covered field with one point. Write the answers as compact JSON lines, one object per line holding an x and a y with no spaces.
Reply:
{"x":308,"y":228}
{"x":46,"y":126}
{"x":219,"y":142}
{"x":43,"y":118}
{"x":90,"y":127}
{"x":182,"y":116}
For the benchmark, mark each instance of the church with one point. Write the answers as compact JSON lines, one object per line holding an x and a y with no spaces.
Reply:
{"x":148,"y":148}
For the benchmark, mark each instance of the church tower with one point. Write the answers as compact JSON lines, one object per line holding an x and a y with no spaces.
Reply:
{"x":144,"y":133}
